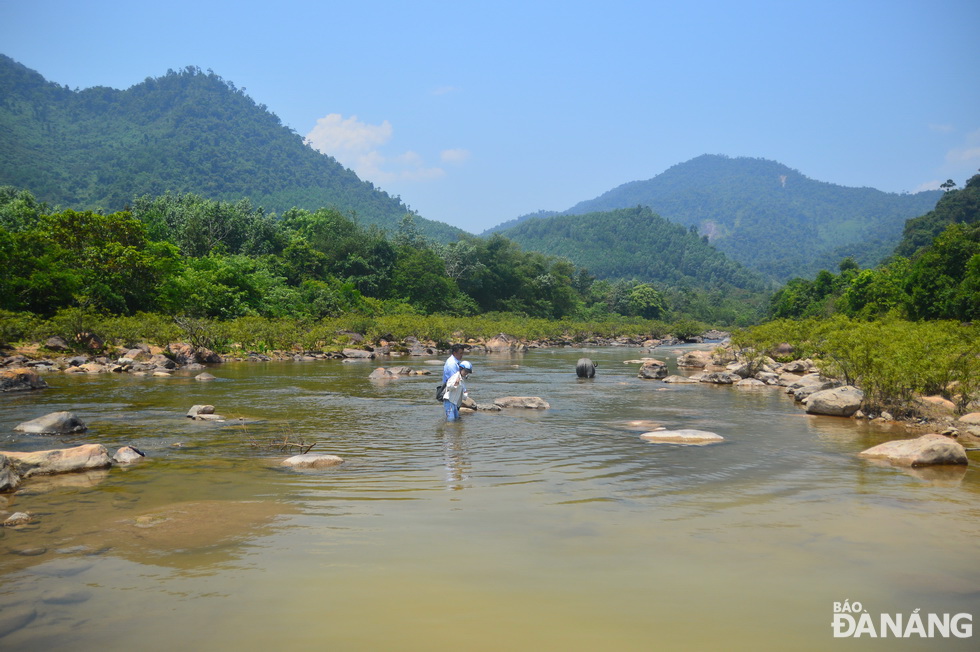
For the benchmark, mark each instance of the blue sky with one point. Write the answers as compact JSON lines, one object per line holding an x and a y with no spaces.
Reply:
{"x":477,"y":112}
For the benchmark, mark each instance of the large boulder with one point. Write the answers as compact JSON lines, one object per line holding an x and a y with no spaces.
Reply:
{"x":922,"y":451}
{"x":653,"y":370}
{"x":55,"y":423}
{"x":22,"y":379}
{"x":529,"y":402}
{"x":358,"y":354}
{"x":971,"y":419}
{"x":839,"y":401}
{"x":9,"y":479}
{"x":720,"y":378}
{"x":62,"y":460}
{"x":695,"y":359}
{"x":502,"y":342}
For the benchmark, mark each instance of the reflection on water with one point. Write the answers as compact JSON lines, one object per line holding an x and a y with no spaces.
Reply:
{"x":557,"y":529}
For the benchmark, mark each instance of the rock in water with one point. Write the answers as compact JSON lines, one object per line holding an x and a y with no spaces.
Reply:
{"x":922,"y":451}
{"x":56,"y":423}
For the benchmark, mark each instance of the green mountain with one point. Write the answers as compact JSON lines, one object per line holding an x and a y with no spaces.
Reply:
{"x":635,"y":243}
{"x":186,"y":132}
{"x":770,"y":217}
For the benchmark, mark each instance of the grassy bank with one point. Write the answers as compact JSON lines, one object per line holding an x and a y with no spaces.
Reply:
{"x":263,"y":334}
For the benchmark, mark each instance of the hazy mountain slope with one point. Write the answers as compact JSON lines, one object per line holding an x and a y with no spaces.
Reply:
{"x":188,"y":131}
{"x":635,"y":243}
{"x":769,"y":216}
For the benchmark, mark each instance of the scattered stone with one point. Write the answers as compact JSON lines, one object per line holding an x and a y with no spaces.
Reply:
{"x":9,"y":478}
{"x":689,"y":437}
{"x":839,"y":401}
{"x":720,"y":378}
{"x":695,"y":359}
{"x":358,"y":354}
{"x":503,"y":342}
{"x":204,"y":377}
{"x":313,"y":461}
{"x":922,"y":451}
{"x":21,"y":379}
{"x":198,"y":410}
{"x":973,"y":418}
{"x":55,"y":423}
{"x":17,"y":518}
{"x":652,"y":370}
{"x":681,"y":380}
{"x":529,"y":402}
{"x":57,"y":343}
{"x":64,"y":460}
{"x":128,"y":455}
{"x":750,"y":383}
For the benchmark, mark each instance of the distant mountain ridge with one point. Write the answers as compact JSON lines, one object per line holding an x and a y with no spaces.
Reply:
{"x":768,"y":216}
{"x":184,"y":132}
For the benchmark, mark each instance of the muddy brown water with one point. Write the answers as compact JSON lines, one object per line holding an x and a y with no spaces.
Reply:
{"x":519,"y":530}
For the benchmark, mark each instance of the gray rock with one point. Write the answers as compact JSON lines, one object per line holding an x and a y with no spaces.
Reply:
{"x":689,"y":437}
{"x":197,"y":410}
{"x":313,"y":461}
{"x":681,"y":380}
{"x":17,"y":518}
{"x":922,"y":451}
{"x":358,"y":354}
{"x":720,"y":378}
{"x":529,"y":402}
{"x":128,"y":455}
{"x":652,"y":370}
{"x":56,"y":423}
{"x":63,"y":460}
{"x":17,"y":380}
{"x":839,"y":401}
{"x":204,"y":377}
{"x":9,"y":478}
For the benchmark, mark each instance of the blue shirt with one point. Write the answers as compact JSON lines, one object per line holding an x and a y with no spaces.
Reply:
{"x":448,"y":369}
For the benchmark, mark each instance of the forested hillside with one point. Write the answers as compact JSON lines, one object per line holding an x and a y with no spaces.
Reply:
{"x":934,"y":273}
{"x":769,"y":217}
{"x":637,"y":243}
{"x":186,"y":132}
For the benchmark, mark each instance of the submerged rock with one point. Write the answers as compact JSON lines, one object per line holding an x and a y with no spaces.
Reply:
{"x":128,"y":455}
{"x":312,"y":461}
{"x":63,"y":460}
{"x":529,"y":402}
{"x":55,"y":423}
{"x":689,"y":437}
{"x":922,"y":451}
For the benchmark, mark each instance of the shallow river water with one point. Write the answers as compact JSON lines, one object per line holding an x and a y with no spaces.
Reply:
{"x":520,"y":530}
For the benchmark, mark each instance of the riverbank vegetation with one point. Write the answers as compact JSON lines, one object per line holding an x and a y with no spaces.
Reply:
{"x":184,"y":259}
{"x":903,"y":330}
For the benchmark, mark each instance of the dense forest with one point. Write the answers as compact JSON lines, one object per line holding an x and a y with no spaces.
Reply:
{"x":933,"y":274}
{"x":767,"y":216}
{"x":637,"y":243}
{"x":186,"y":132}
{"x":182,"y":254}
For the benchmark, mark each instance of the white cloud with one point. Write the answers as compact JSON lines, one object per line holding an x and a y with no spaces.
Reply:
{"x":357,"y":145}
{"x":928,"y":185}
{"x":455,"y":155}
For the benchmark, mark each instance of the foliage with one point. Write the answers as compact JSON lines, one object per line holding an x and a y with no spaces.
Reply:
{"x":891,"y":360}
